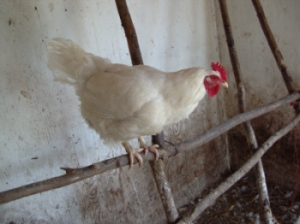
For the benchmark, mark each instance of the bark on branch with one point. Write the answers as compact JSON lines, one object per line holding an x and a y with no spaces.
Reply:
{"x":209,"y":199}
{"x":279,"y":60}
{"x":236,"y":120}
{"x":250,"y":134}
{"x":164,"y":190}
{"x":274,"y":47}
{"x":78,"y":174}
{"x":132,"y":40}
{"x":156,"y":166}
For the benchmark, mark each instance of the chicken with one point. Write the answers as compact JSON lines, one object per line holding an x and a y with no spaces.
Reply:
{"x":124,"y":102}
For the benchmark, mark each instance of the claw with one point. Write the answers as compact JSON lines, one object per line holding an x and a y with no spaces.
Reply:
{"x":136,"y":154}
{"x":153,"y":148}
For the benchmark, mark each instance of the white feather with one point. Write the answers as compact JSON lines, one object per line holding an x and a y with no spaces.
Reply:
{"x":123,"y":102}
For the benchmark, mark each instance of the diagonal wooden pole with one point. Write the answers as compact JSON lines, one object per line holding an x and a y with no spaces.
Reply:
{"x":156,"y":166}
{"x":132,"y":40}
{"x":259,"y":170}
{"x":274,"y":47}
{"x":242,"y":171}
{"x":282,"y":67}
{"x":74,"y":175}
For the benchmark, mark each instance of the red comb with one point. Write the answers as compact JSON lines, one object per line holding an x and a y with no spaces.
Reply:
{"x":219,"y":68}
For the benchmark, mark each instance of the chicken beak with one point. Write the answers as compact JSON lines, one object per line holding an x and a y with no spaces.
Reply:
{"x":225,"y":84}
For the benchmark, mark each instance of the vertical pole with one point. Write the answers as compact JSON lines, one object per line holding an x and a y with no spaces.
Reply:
{"x":282,"y":67}
{"x":132,"y":40}
{"x":156,"y":166}
{"x":259,"y":171}
{"x":274,"y":47}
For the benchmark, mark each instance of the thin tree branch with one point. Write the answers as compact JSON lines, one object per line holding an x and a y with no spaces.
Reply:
{"x":298,"y":220}
{"x":156,"y":166}
{"x":78,"y":174}
{"x":132,"y":40}
{"x":236,"y":120}
{"x":209,"y":199}
{"x":279,"y":59}
{"x":263,"y":193}
{"x":250,"y":134}
{"x":275,"y":49}
{"x":163,"y":186}
{"x":236,"y":71}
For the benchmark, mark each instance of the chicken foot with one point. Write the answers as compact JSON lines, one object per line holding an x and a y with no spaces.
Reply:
{"x":151,"y":148}
{"x":136,"y":153}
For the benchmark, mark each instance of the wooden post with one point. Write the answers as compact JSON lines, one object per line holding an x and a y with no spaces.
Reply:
{"x":274,"y":47}
{"x":280,"y":63}
{"x":132,"y":40}
{"x":156,"y":166}
{"x":237,"y":175}
{"x":259,"y":170}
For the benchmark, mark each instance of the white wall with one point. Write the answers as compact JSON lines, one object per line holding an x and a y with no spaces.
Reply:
{"x":40,"y":118}
{"x":262,"y":78}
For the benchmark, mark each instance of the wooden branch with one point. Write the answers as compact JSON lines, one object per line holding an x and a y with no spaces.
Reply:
{"x":250,"y":134}
{"x":163,"y":186}
{"x":298,"y":220}
{"x":236,"y":71}
{"x":233,"y":56}
{"x":274,"y":47}
{"x":156,"y":166}
{"x":210,"y":199}
{"x":263,"y":194}
{"x":78,"y":174}
{"x":276,"y":51}
{"x":236,"y":120}
{"x":134,"y":48}
{"x":132,"y":40}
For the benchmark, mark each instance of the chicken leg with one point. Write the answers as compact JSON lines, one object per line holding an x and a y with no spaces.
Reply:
{"x":143,"y":147}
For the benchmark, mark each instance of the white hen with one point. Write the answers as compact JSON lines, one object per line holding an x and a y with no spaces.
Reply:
{"x":124,"y":102}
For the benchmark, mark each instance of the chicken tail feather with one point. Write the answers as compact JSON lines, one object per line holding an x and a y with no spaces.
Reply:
{"x":75,"y":65}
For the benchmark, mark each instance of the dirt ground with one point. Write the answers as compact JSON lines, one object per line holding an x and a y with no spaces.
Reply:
{"x":240,"y":204}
